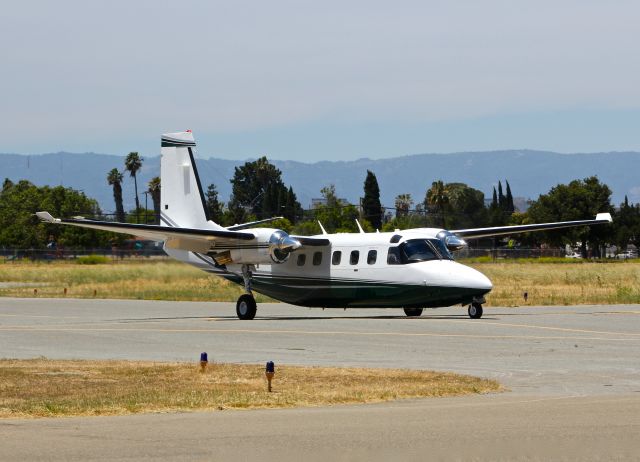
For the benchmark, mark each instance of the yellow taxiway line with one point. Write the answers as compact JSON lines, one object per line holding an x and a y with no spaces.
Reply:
{"x":305,"y":332}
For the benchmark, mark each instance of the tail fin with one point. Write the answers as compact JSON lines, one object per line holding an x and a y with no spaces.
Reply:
{"x":181,"y":195}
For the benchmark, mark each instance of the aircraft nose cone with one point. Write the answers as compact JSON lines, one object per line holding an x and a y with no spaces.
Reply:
{"x":473,"y":279}
{"x":483,"y":282}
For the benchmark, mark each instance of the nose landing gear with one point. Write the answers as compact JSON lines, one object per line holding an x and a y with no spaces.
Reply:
{"x":246,"y":307}
{"x":475,"y":310}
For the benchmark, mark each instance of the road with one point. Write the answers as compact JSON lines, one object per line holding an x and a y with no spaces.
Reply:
{"x":573,"y":372}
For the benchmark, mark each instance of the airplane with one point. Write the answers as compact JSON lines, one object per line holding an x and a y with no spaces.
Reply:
{"x":410,"y":269}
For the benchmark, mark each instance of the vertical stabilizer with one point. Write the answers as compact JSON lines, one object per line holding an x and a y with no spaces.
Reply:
{"x":182,"y":198}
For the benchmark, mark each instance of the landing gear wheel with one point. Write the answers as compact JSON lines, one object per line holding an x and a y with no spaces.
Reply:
{"x":475,"y":311}
{"x":413,"y":312}
{"x":246,"y":307}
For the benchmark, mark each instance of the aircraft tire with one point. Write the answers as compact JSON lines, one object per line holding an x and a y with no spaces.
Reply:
{"x":475,"y":311}
{"x":246,"y":307}
{"x":413,"y":312}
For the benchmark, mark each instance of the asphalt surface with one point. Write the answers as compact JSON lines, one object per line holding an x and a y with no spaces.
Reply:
{"x":573,"y":372}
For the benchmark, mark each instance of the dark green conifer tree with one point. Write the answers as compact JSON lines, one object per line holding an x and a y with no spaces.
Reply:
{"x":501,"y":198}
{"x":214,"y":206}
{"x":509,"y":207}
{"x":371,"y":207}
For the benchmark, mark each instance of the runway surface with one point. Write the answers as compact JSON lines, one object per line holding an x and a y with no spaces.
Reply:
{"x":573,"y":372}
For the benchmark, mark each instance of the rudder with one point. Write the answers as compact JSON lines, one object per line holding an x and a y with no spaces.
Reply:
{"x":181,"y":196}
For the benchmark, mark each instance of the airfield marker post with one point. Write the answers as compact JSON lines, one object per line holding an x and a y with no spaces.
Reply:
{"x":270,"y":371}
{"x":204,"y":360}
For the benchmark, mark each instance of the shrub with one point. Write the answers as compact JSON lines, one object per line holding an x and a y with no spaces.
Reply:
{"x":92,"y":260}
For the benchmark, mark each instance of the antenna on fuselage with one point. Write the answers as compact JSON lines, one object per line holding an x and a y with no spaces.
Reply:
{"x":324,"y":231}
{"x":359,"y":227}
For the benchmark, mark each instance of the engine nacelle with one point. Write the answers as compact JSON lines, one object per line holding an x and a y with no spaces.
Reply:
{"x":270,"y":246}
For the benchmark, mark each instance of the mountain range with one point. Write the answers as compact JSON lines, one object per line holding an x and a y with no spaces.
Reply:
{"x":530,"y":173}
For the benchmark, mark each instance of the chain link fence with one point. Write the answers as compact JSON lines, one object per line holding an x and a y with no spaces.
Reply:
{"x":147,"y":251}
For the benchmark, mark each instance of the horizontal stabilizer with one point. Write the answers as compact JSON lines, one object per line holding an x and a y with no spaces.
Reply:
{"x":253,"y":223}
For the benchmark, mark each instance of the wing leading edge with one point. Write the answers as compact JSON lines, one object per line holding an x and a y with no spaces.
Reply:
{"x":185,"y":238}
{"x":474,"y":233}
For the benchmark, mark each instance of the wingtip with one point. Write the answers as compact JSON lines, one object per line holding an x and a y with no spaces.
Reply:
{"x":604,"y":217}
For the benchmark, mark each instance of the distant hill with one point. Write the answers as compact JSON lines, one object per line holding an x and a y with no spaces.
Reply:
{"x":530,"y":173}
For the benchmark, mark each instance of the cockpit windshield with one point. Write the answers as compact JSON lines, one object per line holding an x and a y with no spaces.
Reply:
{"x":441,"y":248}
{"x":417,"y":250}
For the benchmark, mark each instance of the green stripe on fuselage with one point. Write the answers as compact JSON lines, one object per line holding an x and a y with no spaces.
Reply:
{"x":336,"y":293}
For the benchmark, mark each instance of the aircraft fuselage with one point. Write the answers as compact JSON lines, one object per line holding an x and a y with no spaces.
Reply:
{"x":362,"y":271}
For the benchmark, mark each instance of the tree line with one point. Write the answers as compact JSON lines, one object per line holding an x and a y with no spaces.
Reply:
{"x":259,"y":192}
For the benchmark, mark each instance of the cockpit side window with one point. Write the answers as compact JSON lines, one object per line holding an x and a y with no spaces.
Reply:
{"x":416,"y":250}
{"x":393,"y":256}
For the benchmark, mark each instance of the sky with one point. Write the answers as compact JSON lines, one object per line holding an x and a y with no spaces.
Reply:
{"x":311,"y":81}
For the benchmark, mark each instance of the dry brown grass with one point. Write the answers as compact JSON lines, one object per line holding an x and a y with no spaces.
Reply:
{"x":547,"y":283}
{"x":562,"y":284}
{"x":48,"y":388}
{"x":133,"y":279}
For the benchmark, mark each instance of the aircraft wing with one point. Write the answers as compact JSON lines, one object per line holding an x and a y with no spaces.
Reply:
{"x":475,"y":233}
{"x":198,"y":240}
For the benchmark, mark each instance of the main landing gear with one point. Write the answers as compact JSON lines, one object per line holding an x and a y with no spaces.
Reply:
{"x":475,"y":310}
{"x":413,"y":312}
{"x":246,"y":306}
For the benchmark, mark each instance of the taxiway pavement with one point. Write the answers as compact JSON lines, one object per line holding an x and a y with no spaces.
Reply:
{"x":573,"y":372}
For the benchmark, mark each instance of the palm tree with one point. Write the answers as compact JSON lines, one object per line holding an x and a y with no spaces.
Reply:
{"x":438,"y":197}
{"x":132,"y":164}
{"x":403,"y":204}
{"x":114,"y":178}
{"x":154,"y":190}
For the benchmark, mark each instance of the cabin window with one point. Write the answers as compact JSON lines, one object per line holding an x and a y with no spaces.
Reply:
{"x":302,"y":258}
{"x":337,"y":256}
{"x":355,"y":256}
{"x":393,"y":257}
{"x":372,"y":256}
{"x":317,"y":258}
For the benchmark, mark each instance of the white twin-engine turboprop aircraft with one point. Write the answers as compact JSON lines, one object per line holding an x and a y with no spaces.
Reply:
{"x":411,"y":269}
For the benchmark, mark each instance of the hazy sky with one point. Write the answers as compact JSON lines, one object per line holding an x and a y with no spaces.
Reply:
{"x":320,"y":80}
